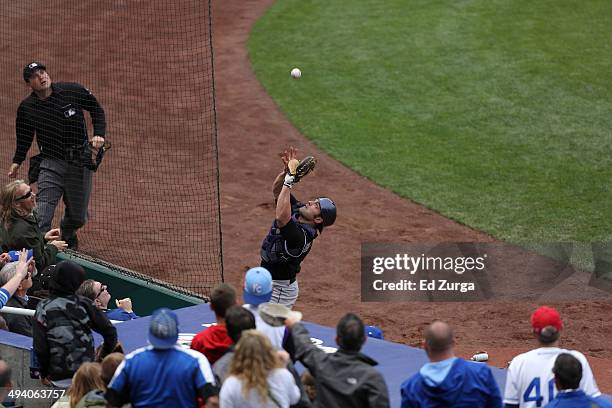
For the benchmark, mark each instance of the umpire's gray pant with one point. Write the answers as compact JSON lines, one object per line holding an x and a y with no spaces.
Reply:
{"x":59,"y":179}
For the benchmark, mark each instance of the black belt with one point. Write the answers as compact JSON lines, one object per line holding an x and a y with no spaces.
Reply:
{"x":291,"y":280}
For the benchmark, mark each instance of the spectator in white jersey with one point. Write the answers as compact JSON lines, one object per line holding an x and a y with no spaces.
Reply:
{"x":530,"y":382}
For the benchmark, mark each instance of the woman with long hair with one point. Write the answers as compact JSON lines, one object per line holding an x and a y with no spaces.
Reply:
{"x":19,"y":225}
{"x":87,"y":378}
{"x":257,"y":376}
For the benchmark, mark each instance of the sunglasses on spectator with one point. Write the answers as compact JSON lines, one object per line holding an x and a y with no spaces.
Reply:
{"x":25,"y":196}
{"x":102,"y":289}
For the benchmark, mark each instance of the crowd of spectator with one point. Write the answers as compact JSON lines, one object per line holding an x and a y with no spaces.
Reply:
{"x":246,"y":358}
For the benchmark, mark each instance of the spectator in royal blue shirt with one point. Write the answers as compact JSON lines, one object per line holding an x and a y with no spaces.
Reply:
{"x":448,"y":381}
{"x":568,"y":373}
{"x":163,"y":374}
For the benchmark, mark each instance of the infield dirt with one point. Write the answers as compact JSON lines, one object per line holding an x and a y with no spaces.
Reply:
{"x":252,"y":130}
{"x":252,"y":126}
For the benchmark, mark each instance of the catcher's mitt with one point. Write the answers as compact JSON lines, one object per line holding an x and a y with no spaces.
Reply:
{"x":299,"y":169}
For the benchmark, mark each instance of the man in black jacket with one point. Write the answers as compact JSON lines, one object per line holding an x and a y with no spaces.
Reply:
{"x":347,"y":377}
{"x":63,"y":325}
{"x":54,"y":113}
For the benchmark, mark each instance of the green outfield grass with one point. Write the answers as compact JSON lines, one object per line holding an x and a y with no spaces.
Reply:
{"x":495,"y":113}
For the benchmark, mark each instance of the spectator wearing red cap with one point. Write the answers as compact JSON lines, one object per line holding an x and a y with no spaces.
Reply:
{"x":530,"y":381}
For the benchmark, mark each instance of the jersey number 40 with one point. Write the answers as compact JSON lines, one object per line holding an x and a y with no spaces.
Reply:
{"x":533,"y":392}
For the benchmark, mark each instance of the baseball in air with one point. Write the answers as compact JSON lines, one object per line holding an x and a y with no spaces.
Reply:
{"x":296,"y":73}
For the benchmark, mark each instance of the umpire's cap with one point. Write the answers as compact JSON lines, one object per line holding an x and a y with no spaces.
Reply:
{"x":30,"y":68}
{"x":328,"y":211}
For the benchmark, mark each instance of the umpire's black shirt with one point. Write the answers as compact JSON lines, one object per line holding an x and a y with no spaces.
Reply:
{"x":58,"y":121}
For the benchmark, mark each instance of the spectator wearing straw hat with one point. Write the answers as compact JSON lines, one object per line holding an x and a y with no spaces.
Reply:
{"x":257,"y":291}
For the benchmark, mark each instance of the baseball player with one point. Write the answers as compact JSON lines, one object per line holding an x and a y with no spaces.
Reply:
{"x":54,"y":112}
{"x":290,"y":238}
{"x":530,"y":381}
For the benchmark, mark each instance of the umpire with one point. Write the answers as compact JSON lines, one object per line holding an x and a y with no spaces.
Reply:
{"x":54,"y":112}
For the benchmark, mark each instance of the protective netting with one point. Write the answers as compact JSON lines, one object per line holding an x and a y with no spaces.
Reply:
{"x":140,"y":73}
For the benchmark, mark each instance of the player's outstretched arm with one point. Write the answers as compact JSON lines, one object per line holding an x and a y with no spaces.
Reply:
{"x":285,"y":156}
{"x":278,"y":184}
{"x":283,"y":206}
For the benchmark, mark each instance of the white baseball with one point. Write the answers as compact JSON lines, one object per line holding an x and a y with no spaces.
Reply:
{"x":296,"y":73}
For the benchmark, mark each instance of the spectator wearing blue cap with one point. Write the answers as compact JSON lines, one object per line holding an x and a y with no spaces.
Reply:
{"x":19,"y":225}
{"x":17,"y":323}
{"x":162,"y":374}
{"x":257,"y":291}
{"x":292,"y":233}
